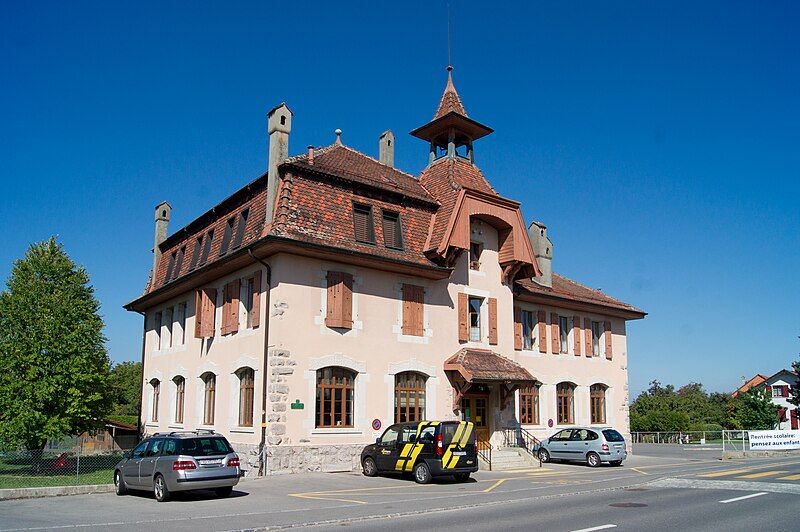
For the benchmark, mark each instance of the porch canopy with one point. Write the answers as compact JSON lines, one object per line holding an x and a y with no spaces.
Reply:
{"x":482,"y":366}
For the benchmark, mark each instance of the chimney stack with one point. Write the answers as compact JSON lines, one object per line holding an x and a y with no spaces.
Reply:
{"x":279,"y":125}
{"x":163,"y":212}
{"x":311,"y":154}
{"x":543,"y":252}
{"x":386,"y":148}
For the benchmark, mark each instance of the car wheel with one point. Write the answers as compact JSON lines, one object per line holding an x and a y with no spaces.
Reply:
{"x":544,"y":456}
{"x":592,"y":459}
{"x":369,"y":468}
{"x":616,"y":463}
{"x":462,"y":477}
{"x":119,"y":484}
{"x":223,"y":492}
{"x":160,"y":489}
{"x":421,"y":473}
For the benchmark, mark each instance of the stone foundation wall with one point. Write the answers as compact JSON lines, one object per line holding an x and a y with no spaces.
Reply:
{"x":249,"y":457}
{"x":313,"y":458}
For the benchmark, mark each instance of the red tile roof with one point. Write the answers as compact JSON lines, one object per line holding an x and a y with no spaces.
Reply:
{"x":757,"y":380}
{"x":568,"y":289}
{"x":484,"y":365}
{"x":450,"y":102}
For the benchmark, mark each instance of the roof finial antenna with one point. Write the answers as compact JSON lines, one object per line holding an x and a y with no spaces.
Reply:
{"x":449,"y":47}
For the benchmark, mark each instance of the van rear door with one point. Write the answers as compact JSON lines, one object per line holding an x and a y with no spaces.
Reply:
{"x":459,"y":442}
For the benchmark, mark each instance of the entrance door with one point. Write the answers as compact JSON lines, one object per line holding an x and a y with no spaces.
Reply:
{"x":475,"y":408}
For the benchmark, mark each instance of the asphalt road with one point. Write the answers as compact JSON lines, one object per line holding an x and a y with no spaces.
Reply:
{"x":656,"y":492}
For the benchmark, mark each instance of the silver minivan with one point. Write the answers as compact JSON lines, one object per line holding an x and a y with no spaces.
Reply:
{"x":179,"y":461}
{"x":593,"y":445}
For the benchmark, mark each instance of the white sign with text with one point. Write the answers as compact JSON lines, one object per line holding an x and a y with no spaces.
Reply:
{"x":774,"y":440}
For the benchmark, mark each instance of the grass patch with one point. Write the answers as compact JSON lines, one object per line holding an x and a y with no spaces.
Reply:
{"x":24,"y":472}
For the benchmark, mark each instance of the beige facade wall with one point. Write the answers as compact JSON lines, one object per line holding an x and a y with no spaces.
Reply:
{"x":375,"y":348}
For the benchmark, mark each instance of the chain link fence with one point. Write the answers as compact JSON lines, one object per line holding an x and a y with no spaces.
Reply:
{"x":728,"y":440}
{"x":86,"y":459}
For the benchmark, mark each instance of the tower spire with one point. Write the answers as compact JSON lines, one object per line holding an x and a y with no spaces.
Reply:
{"x":451,"y":101}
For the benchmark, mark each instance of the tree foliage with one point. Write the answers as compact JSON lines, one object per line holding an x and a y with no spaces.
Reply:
{"x":754,"y":410}
{"x":53,"y":363}
{"x":125,"y":388}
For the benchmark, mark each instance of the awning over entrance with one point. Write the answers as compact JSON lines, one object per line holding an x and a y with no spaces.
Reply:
{"x":472,"y":366}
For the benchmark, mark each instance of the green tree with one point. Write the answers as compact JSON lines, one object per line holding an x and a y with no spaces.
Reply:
{"x":53,"y":362}
{"x":794,"y":391}
{"x":754,"y":410}
{"x":125,"y":389}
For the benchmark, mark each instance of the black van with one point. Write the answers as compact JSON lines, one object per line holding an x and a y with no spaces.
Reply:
{"x":426,"y":448}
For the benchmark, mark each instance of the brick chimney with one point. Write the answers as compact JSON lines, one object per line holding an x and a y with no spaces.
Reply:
{"x":543,"y":251}
{"x":279,"y":125}
{"x":163,"y":212}
{"x":386,"y":148}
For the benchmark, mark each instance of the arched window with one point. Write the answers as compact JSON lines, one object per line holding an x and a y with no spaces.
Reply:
{"x":597,"y":397}
{"x":565,"y":403}
{"x":335,"y":397}
{"x":529,"y":405}
{"x":209,"y":396}
{"x":180,"y":393}
{"x":409,"y":397}
{"x":156,"y":392}
{"x":246,"y":387}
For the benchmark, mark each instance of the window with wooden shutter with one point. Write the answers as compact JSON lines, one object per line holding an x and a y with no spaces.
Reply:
{"x":252,"y":302}
{"x":362,"y":224}
{"x":205,"y":305}
{"x":240,"y":227}
{"x":517,"y":328}
{"x":209,"y":240}
{"x":542,"y":316}
{"x":178,"y":262}
{"x":226,"y":236}
{"x":230,"y":308}
{"x":413,"y":310}
{"x":587,"y":337}
{"x":463,"y":317}
{"x":555,"y":346}
{"x":198,"y":245}
{"x":492,"y":321}
{"x":576,"y":334}
{"x":607,"y":335}
{"x":340,"y":300}
{"x":392,"y":230}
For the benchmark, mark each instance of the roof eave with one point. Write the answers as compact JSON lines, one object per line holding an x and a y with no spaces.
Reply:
{"x":433,"y":129}
{"x":581,"y":304}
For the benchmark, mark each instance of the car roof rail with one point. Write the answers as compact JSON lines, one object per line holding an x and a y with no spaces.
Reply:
{"x":206,"y":431}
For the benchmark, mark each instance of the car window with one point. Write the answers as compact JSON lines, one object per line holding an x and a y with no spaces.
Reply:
{"x":204,"y":446}
{"x":613,"y":435}
{"x":155,"y":448}
{"x":448,"y":431}
{"x":580,"y":435}
{"x":390,"y":436}
{"x":170,"y":448}
{"x":428,"y":434}
{"x":138,"y":452}
{"x":407,"y":432}
{"x":591,"y":435}
{"x":563,"y":435}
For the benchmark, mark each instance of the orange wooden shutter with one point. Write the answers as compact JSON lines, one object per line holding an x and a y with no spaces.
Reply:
{"x":541,"y":316}
{"x":463,"y":317}
{"x":198,"y":313}
{"x":413,"y":313}
{"x":256,"y":319}
{"x":347,"y":301}
{"x":554,"y":331}
{"x":336,"y":299}
{"x":493,"y":321}
{"x":517,"y":328}
{"x":206,"y":312}
{"x":607,"y":334}
{"x":407,"y":306}
{"x":587,"y":337}
{"x":419,"y":303}
{"x":576,"y":334}
{"x":233,"y":306}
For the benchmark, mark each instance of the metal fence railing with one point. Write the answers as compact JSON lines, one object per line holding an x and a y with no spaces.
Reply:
{"x":728,"y":440}
{"x":67,"y":462}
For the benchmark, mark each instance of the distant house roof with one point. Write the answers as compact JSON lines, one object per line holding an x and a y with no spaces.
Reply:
{"x":757,"y":380}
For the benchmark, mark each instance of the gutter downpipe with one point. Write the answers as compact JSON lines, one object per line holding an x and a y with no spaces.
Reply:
{"x":263,"y":445}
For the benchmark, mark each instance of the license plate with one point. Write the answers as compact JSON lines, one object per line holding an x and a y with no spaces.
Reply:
{"x":460,"y":453}
{"x":210,"y":462}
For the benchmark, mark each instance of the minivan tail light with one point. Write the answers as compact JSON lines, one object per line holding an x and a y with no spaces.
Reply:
{"x":233,"y":462}
{"x":183,"y":465}
{"x":439,"y":445}
{"x":604,"y":447}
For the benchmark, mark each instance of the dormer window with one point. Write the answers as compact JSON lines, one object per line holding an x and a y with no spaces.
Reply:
{"x":226,"y":236}
{"x":392,"y":230}
{"x":178,"y":263}
{"x":206,"y":248}
{"x":363,"y":225}
{"x":237,"y":240}
{"x":475,"y":251}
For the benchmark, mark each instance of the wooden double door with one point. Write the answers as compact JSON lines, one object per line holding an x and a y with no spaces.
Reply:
{"x":475,"y":408}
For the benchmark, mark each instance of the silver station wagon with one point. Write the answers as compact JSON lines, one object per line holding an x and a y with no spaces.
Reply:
{"x":179,"y":461}
{"x":593,"y":445}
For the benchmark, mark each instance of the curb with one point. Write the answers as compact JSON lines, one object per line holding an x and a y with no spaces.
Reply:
{"x":56,"y":491}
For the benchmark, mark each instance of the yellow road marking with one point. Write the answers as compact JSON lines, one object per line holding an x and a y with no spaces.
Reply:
{"x":528,"y":470}
{"x":546,"y":474}
{"x":763,"y":474}
{"x":493,"y":486}
{"x":725,"y":473}
{"x":790,"y":477}
{"x":304,"y":496}
{"x":638,"y":471}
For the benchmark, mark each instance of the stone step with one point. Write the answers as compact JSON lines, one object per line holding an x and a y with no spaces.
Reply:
{"x":509,"y":458}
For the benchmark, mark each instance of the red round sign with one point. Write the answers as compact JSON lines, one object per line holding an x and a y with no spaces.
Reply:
{"x":550,"y":423}
{"x":376,"y":424}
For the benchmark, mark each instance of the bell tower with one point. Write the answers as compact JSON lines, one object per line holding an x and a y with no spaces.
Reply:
{"x":451,"y":132}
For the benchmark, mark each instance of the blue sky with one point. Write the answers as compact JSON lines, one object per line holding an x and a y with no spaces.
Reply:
{"x":659,"y":143}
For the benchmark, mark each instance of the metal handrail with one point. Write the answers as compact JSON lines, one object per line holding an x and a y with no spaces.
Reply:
{"x":484,"y":450}
{"x":523,"y":439}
